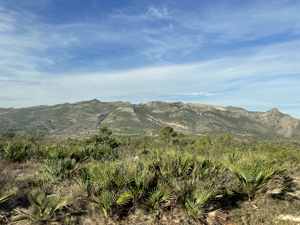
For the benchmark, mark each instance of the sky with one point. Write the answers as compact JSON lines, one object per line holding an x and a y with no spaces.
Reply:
{"x":220,"y":52}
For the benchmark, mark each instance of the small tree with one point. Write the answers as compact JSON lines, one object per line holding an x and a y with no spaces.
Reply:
{"x":104,"y":131}
{"x":8,"y":135}
{"x":204,"y":141}
{"x":166,"y":133}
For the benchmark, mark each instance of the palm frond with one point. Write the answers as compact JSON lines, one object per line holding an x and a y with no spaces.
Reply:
{"x":167,"y":193}
{"x":105,"y":201}
{"x":157,"y":196}
{"x":59,"y":203}
{"x":203,"y":195}
{"x":6,"y":197}
{"x":124,"y":198}
{"x":35,"y":198}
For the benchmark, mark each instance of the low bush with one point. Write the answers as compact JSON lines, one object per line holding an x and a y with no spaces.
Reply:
{"x":16,"y":151}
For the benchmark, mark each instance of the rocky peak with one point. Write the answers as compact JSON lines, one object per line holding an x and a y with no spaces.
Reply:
{"x":271,"y":113}
{"x":274,"y":110}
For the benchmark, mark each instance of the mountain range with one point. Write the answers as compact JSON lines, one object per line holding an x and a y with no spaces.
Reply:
{"x":82,"y":119}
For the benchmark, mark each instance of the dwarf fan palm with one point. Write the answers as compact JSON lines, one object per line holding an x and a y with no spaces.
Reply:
{"x":85,"y":181}
{"x":16,"y":152}
{"x":100,"y":175}
{"x":107,"y":199}
{"x":119,"y":176}
{"x":194,"y":199}
{"x":158,"y":196}
{"x":136,"y":183}
{"x":253,"y":171}
{"x":42,"y":207}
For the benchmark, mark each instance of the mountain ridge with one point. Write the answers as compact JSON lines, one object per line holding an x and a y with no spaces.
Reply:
{"x":82,"y":119}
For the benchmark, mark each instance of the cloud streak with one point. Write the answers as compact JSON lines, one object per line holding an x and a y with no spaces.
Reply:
{"x":8,"y":99}
{"x":173,"y":95}
{"x":150,"y":13}
{"x":225,"y":23}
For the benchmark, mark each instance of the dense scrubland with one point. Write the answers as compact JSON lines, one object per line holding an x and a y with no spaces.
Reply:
{"x":169,"y":179}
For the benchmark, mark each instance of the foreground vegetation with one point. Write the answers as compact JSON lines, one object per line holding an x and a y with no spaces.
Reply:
{"x":171,"y":179}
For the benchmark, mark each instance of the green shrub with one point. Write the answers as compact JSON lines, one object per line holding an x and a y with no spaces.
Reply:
{"x":16,"y":151}
{"x":256,"y":173}
{"x":41,"y":209}
{"x":60,"y":169}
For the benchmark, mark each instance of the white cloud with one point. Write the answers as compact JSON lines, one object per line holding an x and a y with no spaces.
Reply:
{"x":225,"y":23}
{"x":172,"y":95}
{"x":9,"y":99}
{"x":144,"y":13}
{"x":160,"y":13}
{"x":215,"y":76}
{"x":50,"y":46}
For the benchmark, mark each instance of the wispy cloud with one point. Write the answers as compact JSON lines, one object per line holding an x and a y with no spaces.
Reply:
{"x":17,"y":82}
{"x":172,"y":95}
{"x":9,"y":99}
{"x":251,"y":21}
{"x":181,"y":37}
{"x":158,"y":13}
{"x":137,"y":15}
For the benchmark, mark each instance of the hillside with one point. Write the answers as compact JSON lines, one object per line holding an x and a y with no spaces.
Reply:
{"x":82,"y":119}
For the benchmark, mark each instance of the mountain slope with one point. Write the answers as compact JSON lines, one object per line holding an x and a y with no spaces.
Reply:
{"x":82,"y":119}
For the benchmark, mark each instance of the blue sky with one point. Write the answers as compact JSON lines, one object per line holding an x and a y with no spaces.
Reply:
{"x":238,"y":53}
